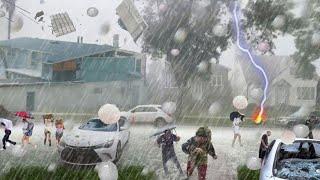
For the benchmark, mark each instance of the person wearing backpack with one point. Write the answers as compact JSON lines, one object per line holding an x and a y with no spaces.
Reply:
{"x":27,"y":130}
{"x":198,"y":148}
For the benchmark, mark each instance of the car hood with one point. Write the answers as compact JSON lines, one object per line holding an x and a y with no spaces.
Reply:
{"x":85,"y":138}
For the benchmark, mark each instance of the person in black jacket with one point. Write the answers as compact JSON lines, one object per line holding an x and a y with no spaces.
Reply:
{"x":165,"y":141}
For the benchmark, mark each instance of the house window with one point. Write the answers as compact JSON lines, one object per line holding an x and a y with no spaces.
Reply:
{"x":36,"y":57}
{"x":97,"y":90}
{"x":216,"y":80}
{"x":306,"y":93}
{"x":137,"y":65}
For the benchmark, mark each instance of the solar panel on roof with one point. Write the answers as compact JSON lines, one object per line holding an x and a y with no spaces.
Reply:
{"x":61,"y":24}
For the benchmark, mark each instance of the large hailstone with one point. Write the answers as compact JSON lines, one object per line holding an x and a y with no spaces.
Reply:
{"x":279,"y":21}
{"x":263,"y":46}
{"x":92,"y":12}
{"x":163,"y":8}
{"x":17,"y":23}
{"x":107,"y":171}
{"x":109,"y":113}
{"x":256,"y":93}
{"x":52,"y":167}
{"x":175,"y":52}
{"x":181,"y":35}
{"x":253,"y":163}
{"x":301,"y":130}
{"x":315,"y":41}
{"x":215,"y":108}
{"x":220,"y":30}
{"x":169,"y":107}
{"x":288,"y":137}
{"x":105,"y":28}
{"x":240,"y":102}
{"x":203,"y":66}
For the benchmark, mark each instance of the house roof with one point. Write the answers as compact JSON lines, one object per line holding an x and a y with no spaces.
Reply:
{"x":273,"y":66}
{"x":56,"y":51}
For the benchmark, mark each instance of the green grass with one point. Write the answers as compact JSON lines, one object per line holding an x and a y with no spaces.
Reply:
{"x":63,"y":173}
{"x":247,"y":174}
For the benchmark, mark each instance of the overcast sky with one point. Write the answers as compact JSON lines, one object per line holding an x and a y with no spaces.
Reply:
{"x":89,"y":27}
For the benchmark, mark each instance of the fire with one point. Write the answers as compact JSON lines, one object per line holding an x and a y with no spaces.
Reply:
{"x":259,"y":115}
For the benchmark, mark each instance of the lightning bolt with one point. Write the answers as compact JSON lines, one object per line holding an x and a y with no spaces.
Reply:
{"x":247,"y":51}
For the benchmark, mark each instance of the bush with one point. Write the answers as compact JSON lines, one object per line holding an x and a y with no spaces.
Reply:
{"x":247,"y":174}
{"x":63,"y":173}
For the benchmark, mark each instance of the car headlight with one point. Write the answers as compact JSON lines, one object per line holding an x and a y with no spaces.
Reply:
{"x":105,"y":145}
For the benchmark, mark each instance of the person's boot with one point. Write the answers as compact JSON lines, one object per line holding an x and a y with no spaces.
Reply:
{"x":49,"y":142}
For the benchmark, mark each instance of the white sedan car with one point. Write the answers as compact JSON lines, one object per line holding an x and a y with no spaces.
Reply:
{"x":150,"y":113}
{"x":300,"y":160}
{"x":94,"y":142}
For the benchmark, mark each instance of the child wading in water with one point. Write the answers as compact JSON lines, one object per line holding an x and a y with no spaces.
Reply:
{"x":59,"y":130}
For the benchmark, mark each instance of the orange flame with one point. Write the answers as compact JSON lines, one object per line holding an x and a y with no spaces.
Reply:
{"x":259,"y":115}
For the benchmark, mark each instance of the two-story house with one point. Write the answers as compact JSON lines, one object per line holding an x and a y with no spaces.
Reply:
{"x":284,"y":87}
{"x":47,"y":75}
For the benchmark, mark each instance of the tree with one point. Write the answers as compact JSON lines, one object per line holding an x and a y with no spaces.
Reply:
{"x":10,"y":6}
{"x":203,"y":42}
{"x":308,"y":43}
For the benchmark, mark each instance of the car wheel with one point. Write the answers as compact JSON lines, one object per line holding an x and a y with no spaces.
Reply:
{"x":118,"y":153}
{"x":160,"y":122}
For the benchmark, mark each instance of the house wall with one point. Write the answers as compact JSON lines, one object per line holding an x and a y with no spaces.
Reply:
{"x":295,"y":83}
{"x":67,"y":97}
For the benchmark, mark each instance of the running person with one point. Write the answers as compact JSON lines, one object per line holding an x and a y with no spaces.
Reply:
{"x":165,"y":141}
{"x":198,"y":148}
{"x":27,"y":130}
{"x":59,"y":130}
{"x":48,"y":128}
{"x":7,"y":124}
{"x":236,"y":129}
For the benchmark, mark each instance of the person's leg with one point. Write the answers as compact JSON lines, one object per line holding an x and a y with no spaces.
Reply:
{"x":176,"y":162}
{"x":4,"y":140}
{"x":45,"y":137}
{"x":310,"y":135}
{"x":202,"y":172}
{"x":239,"y":136}
{"x":49,"y":137}
{"x":8,"y":140}
{"x":190,"y":168}
{"x":164,"y":163}
{"x":234,"y":139}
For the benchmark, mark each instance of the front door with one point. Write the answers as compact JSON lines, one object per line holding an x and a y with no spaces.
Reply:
{"x":30,"y":101}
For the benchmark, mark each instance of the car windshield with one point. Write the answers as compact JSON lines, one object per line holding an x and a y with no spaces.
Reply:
{"x":297,"y":160}
{"x":98,"y":125}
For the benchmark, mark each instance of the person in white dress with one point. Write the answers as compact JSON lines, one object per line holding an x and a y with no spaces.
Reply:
{"x":236,"y":129}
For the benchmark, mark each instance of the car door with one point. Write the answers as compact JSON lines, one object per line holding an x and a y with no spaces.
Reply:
{"x":150,"y":114}
{"x":138,"y":114}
